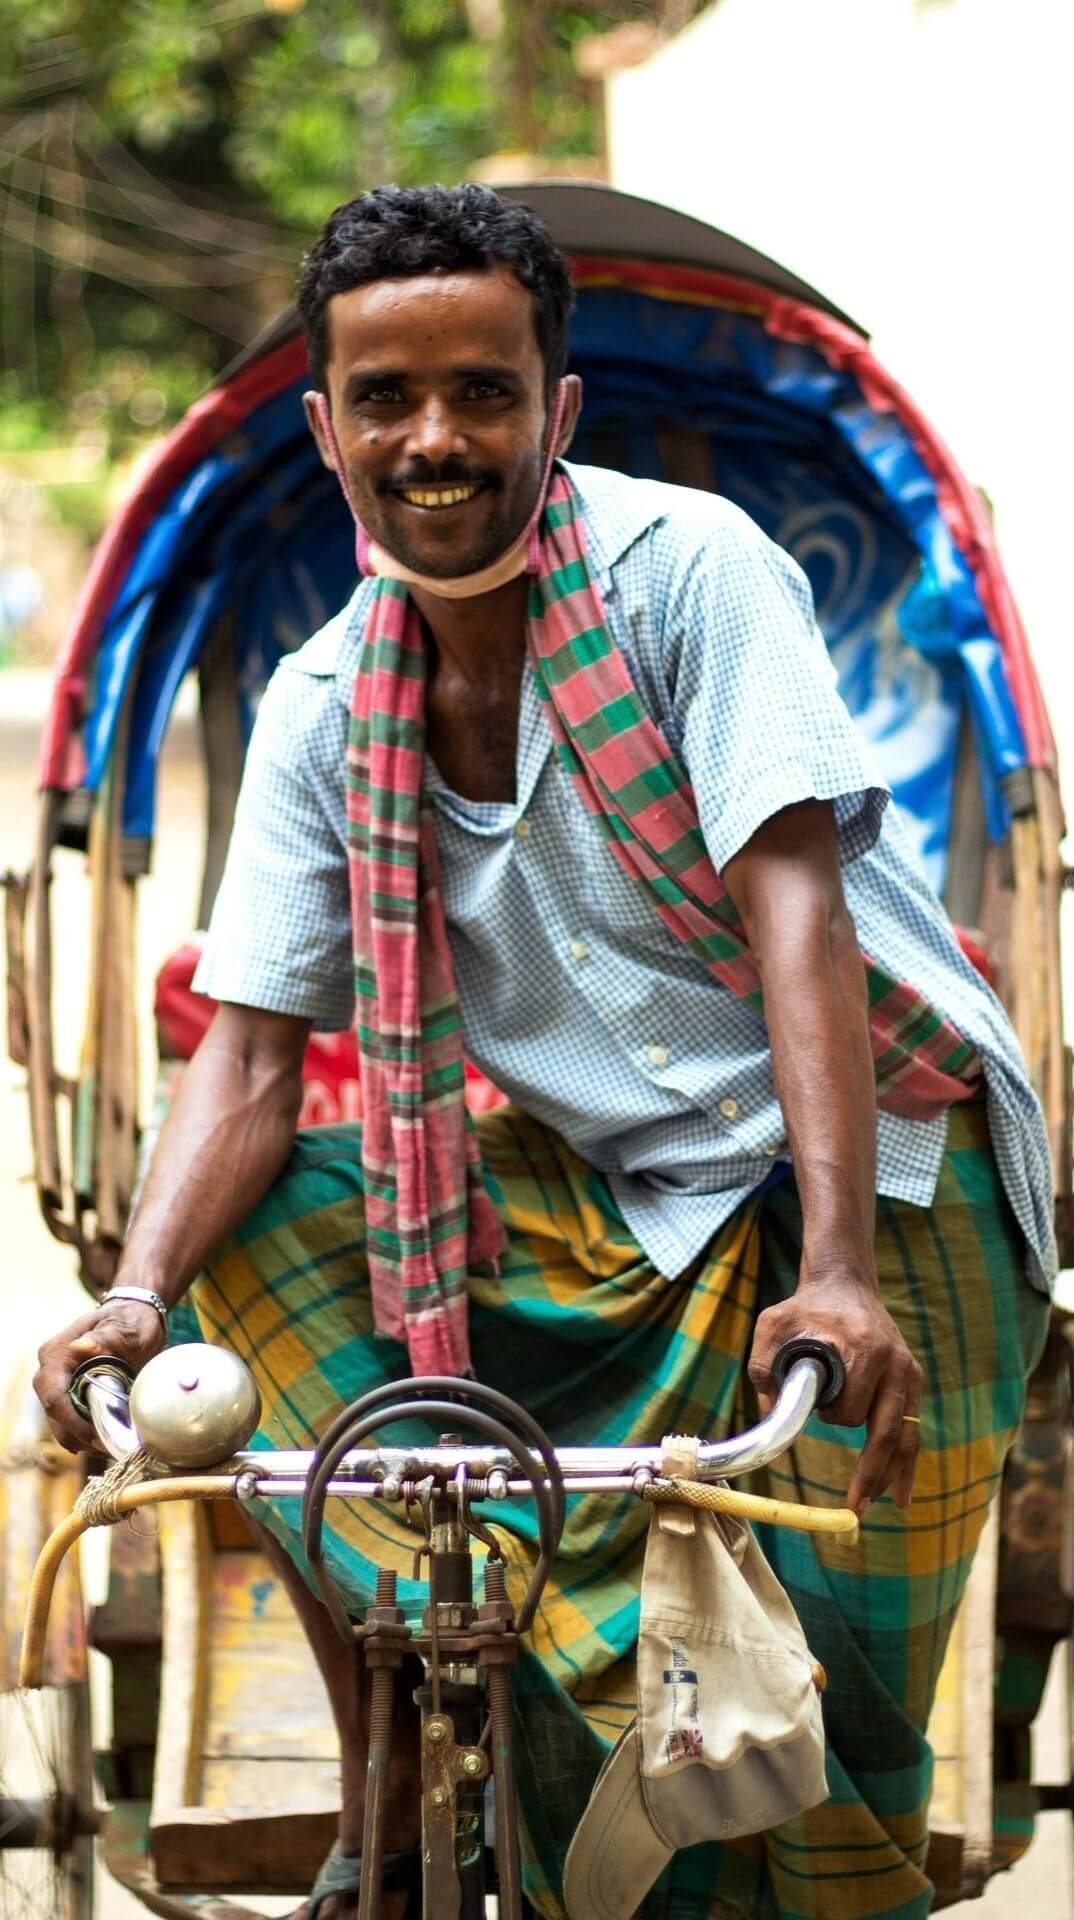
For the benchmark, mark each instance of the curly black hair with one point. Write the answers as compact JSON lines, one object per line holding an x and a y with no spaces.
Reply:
{"x":396,"y":231}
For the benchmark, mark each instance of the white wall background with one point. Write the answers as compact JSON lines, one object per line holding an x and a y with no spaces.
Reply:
{"x":912,"y":160}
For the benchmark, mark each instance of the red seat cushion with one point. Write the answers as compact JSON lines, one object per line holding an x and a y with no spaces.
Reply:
{"x":331,"y":1086}
{"x":972,"y":942}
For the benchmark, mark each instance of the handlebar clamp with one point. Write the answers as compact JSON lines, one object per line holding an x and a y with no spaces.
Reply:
{"x":803,"y":1348}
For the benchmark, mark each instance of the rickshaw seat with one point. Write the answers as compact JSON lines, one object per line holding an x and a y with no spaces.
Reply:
{"x":331,"y":1090}
{"x":974,"y":945}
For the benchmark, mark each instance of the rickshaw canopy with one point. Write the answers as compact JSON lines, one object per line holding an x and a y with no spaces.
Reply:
{"x":702,"y":363}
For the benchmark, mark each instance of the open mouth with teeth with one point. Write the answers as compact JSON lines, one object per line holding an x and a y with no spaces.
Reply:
{"x":437,"y":497}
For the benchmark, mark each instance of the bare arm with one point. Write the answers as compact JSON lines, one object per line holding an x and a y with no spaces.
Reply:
{"x":786,"y":884}
{"x":225,"y":1139}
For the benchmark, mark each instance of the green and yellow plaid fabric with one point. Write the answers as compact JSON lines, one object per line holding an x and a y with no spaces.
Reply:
{"x":602,"y":1348}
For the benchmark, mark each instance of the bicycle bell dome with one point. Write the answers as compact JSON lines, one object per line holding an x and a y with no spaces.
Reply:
{"x":195,"y":1405}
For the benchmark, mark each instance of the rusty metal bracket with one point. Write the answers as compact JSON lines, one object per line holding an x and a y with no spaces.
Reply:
{"x":445,"y":1767}
{"x":466,"y":1491}
{"x":384,"y":1637}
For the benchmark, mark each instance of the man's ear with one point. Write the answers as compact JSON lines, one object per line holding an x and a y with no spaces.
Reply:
{"x":572,"y":407}
{"x":313,"y":403}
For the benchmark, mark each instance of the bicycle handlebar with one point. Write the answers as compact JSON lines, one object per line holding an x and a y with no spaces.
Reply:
{"x":810,"y":1374}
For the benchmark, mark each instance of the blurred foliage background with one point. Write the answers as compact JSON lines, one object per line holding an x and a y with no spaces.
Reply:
{"x":164,"y":162}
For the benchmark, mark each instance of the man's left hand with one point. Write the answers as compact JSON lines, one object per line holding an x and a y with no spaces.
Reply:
{"x":883,"y":1380}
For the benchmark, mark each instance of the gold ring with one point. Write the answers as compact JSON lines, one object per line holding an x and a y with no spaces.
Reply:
{"x":914,"y":1418}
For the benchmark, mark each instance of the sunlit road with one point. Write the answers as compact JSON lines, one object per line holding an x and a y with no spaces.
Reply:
{"x":39,"y":1289}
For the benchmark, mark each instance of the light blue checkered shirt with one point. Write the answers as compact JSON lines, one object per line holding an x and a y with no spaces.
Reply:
{"x":575,"y":998}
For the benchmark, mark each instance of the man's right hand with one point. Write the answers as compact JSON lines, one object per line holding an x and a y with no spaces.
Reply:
{"x":127,"y":1330}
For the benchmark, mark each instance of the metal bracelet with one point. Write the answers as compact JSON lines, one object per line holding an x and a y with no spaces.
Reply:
{"x":143,"y":1295}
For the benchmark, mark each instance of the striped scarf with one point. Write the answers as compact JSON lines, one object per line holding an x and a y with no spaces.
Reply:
{"x":429,"y":1219}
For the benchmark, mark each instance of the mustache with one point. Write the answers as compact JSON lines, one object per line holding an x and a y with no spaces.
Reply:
{"x":450,"y":474}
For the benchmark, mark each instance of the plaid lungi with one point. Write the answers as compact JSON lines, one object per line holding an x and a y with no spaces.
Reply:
{"x":601,"y":1348}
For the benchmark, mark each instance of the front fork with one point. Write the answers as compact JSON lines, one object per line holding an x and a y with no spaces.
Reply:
{"x":465,"y":1705}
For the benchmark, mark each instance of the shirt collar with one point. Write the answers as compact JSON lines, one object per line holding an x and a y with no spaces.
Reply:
{"x":617,"y":511}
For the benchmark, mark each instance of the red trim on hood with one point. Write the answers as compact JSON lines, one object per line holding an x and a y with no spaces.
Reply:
{"x":846,"y":349}
{"x":219,"y":413}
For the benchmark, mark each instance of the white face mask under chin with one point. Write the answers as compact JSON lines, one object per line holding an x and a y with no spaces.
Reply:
{"x":462,"y":586}
{"x":520,"y":557}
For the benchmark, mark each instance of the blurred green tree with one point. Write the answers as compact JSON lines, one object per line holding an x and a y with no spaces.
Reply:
{"x":161,"y":162}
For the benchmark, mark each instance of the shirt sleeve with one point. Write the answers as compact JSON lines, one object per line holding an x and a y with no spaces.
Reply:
{"x":280,"y":933}
{"x":754,"y":693}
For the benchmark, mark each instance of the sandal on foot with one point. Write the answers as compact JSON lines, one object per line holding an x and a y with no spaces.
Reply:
{"x":342,"y":1873}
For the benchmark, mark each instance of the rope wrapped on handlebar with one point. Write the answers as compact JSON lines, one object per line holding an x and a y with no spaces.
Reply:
{"x":752,"y":1506}
{"x":107,"y":1508}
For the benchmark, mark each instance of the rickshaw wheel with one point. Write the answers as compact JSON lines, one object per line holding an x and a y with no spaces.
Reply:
{"x":47,"y":1814}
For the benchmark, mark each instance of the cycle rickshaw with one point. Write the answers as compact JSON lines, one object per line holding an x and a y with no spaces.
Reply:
{"x":706,"y":364}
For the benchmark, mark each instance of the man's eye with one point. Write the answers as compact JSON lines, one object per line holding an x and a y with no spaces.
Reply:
{"x":484,"y":390}
{"x":374,"y":396}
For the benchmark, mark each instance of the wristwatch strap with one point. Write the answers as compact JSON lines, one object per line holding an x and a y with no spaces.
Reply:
{"x":144,"y":1294}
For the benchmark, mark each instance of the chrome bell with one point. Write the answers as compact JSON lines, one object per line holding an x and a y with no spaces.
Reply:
{"x":195,"y":1405}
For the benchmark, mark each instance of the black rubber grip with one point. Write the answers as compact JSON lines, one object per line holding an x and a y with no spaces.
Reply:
{"x":98,"y":1363}
{"x":805,"y":1349}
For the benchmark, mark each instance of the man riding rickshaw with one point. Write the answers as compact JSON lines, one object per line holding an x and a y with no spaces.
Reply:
{"x":568,"y":783}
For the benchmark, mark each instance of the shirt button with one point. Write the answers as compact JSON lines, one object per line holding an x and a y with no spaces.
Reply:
{"x":579,"y":950}
{"x":657,"y":1056}
{"x":771,"y":1152}
{"x":729,"y":1108}
{"x":522,"y":829}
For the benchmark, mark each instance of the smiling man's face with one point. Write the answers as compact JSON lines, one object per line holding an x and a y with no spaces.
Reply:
{"x":437,"y":390}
